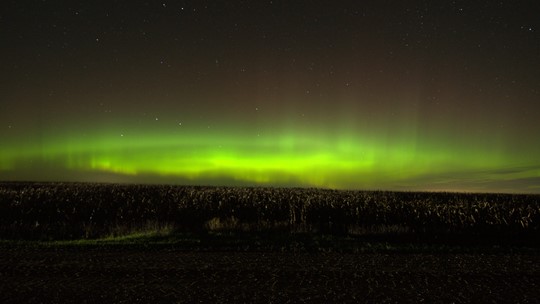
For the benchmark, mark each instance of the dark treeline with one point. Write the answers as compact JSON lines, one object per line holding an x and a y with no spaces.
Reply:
{"x":78,"y":210}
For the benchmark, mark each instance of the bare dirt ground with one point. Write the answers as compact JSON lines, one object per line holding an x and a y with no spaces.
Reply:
{"x":165,"y":275}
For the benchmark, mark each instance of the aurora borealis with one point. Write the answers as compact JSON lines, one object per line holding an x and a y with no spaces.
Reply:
{"x":349,"y":95}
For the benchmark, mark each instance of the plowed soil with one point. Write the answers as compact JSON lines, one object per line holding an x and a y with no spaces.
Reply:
{"x":122,"y":274}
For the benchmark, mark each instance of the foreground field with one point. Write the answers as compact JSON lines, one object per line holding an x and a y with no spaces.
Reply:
{"x":156,"y":275}
{"x":88,"y":243}
{"x":87,"y":211}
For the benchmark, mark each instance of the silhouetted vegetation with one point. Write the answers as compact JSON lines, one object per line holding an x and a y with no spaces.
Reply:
{"x":73,"y":211}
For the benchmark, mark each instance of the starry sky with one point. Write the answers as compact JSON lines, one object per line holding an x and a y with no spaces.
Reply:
{"x":393,"y":95}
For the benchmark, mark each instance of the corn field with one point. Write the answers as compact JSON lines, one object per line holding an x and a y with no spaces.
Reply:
{"x":74,"y":211}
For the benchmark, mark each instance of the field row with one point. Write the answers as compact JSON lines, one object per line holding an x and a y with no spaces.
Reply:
{"x":71,"y":211}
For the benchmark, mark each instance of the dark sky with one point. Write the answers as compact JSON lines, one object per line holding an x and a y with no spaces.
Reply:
{"x":402,"y":95}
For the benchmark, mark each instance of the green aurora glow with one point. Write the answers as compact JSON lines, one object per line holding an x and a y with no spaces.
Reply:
{"x":265,"y":158}
{"x":421,"y":95}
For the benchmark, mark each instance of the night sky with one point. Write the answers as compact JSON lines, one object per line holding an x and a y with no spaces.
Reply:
{"x":394,"y":95}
